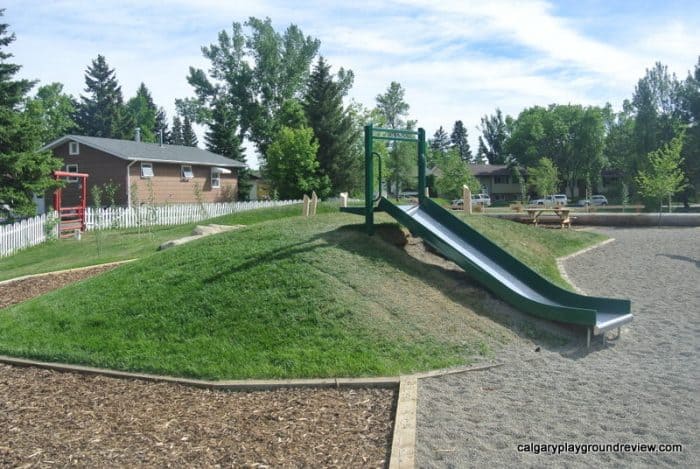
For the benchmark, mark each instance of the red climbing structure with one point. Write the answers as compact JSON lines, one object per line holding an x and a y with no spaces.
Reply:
{"x":70,"y":219}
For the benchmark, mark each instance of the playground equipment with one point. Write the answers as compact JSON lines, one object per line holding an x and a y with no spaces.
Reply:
{"x":481,"y":259}
{"x":70,"y":219}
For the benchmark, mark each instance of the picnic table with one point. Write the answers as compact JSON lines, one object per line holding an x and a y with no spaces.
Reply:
{"x":534,"y":215}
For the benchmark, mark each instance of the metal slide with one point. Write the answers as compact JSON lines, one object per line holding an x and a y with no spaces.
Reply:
{"x":504,"y":275}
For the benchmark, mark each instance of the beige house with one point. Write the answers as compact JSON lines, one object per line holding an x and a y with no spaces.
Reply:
{"x":497,"y":180}
{"x":147,"y":172}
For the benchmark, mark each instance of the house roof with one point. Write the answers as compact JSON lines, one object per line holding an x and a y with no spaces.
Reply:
{"x":489,"y":170}
{"x":142,"y":151}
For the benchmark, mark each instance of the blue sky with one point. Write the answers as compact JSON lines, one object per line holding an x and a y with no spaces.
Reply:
{"x":455,"y":59}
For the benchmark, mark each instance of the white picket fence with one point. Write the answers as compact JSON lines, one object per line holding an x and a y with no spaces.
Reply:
{"x":24,"y":234}
{"x":32,"y":231}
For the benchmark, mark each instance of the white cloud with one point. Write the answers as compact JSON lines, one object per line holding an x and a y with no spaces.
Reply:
{"x":456,"y":60}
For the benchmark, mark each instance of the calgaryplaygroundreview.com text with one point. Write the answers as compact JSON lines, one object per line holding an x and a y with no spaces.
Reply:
{"x":575,"y":448}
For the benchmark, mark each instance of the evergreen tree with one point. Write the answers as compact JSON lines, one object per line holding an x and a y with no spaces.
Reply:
{"x":161,"y":126}
{"x":440,"y":142}
{"x":176,"y":137}
{"x":222,"y":138}
{"x":23,"y":170}
{"x":459,"y":139}
{"x":100,"y":113}
{"x":189,"y":138}
{"x":690,"y":97}
{"x":333,"y":126}
{"x":141,"y":112}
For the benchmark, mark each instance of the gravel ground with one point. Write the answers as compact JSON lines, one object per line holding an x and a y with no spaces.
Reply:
{"x":641,"y":388}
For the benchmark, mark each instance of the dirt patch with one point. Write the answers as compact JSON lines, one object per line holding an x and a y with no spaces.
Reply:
{"x":51,"y":418}
{"x":15,"y":292}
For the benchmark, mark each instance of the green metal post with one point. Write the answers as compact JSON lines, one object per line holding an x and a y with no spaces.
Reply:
{"x":421,"y":164}
{"x":369,"y":181}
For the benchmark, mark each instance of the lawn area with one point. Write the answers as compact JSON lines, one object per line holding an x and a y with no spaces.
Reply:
{"x":537,"y":247}
{"x":118,"y":245}
{"x":289,"y":297}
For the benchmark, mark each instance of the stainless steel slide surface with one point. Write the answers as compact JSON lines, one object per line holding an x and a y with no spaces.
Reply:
{"x":504,"y":275}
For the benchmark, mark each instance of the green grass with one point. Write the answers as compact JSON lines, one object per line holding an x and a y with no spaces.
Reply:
{"x":282,"y":298}
{"x":287,"y":298}
{"x":538,"y":247}
{"x":118,"y":245}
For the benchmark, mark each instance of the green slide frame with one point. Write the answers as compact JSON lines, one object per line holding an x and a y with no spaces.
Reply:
{"x":568,"y":307}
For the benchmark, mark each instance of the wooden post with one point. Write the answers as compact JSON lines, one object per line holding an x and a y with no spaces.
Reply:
{"x":344,"y":199}
{"x":307,"y":203}
{"x":314,"y":203}
{"x":467,"y":198}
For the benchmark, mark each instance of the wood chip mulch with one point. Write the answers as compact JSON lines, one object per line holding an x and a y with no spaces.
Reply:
{"x":50,"y":418}
{"x":58,"y":419}
{"x":15,"y":292}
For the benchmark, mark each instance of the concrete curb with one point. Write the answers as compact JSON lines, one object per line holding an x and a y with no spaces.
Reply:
{"x":77,"y":269}
{"x":650,"y":220}
{"x":562,"y":270}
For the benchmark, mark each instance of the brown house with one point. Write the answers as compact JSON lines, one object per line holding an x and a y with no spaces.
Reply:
{"x":146,"y":172}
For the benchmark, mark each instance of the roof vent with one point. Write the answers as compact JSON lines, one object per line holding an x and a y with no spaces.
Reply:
{"x":137,"y":137}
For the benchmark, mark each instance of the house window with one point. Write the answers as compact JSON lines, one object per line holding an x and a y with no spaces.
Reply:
{"x":73,"y":148}
{"x":215,"y":178}
{"x":501,"y":180}
{"x":72,"y":168}
{"x":146,"y":170}
{"x":186,"y":172}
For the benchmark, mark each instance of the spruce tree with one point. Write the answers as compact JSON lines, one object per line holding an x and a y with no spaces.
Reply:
{"x":440,"y":142}
{"x":161,"y":126}
{"x":100,"y":113}
{"x":23,"y":170}
{"x":222,"y":138}
{"x":332,"y":126}
{"x":141,"y":112}
{"x":176,"y":134}
{"x":460,"y":142}
{"x":189,"y":138}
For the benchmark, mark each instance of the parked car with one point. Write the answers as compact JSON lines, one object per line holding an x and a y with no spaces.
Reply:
{"x":482,"y":199}
{"x":477,"y":199}
{"x":594,"y":200}
{"x":599,"y":200}
{"x":408,"y":194}
{"x":551,"y":200}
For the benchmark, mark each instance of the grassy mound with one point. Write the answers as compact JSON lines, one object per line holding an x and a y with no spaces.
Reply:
{"x":118,"y":245}
{"x":292,"y":297}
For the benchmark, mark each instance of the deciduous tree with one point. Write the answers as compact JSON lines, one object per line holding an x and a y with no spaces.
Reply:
{"x":54,"y":111}
{"x":255,"y":74}
{"x":292,"y":166}
{"x":664,"y":175}
{"x":543,"y":177}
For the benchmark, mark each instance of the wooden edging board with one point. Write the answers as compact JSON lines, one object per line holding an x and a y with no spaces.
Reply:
{"x":55,"y":272}
{"x":404,"y":431}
